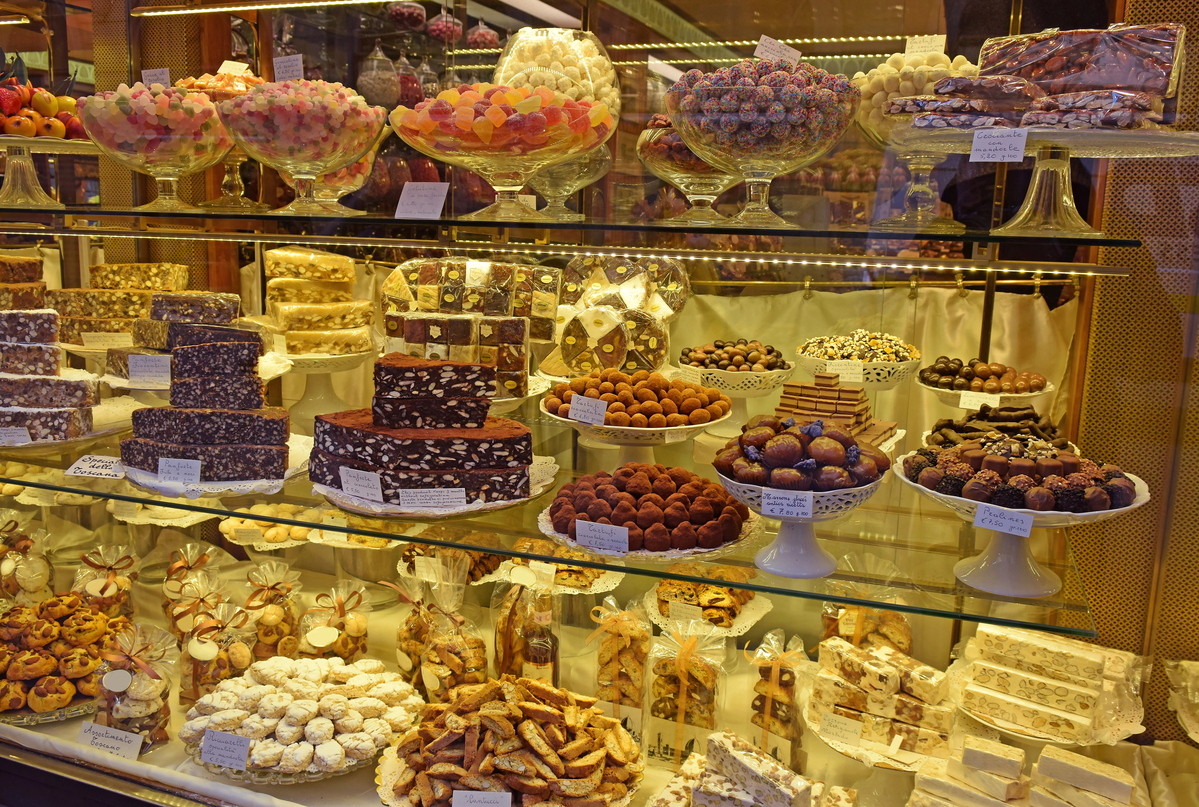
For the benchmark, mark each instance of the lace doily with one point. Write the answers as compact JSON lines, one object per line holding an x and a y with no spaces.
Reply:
{"x":876,"y":375}
{"x":269,"y":776}
{"x":541,"y":477}
{"x":751,"y":612}
{"x":607,"y":581}
{"x":545,"y":524}
{"x":734,"y":384}
{"x":158,"y":515}
{"x":299,"y":448}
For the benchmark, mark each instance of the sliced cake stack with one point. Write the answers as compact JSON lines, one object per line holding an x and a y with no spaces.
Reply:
{"x":35,"y":393}
{"x":310,"y":302}
{"x":427,"y":428}
{"x":21,"y":285}
{"x":120,"y":295}
{"x":826,"y":398}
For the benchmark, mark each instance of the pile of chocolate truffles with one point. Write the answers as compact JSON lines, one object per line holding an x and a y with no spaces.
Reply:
{"x":820,"y":456}
{"x":978,"y":376}
{"x":1065,"y":481}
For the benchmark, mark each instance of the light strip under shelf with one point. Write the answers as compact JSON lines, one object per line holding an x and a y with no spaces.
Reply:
{"x":13,"y":19}
{"x":217,"y":8}
{"x":819,"y":40}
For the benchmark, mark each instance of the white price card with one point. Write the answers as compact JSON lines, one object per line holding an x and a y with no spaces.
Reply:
{"x":149,"y":372}
{"x":973,"y":400}
{"x":225,"y":749}
{"x":667,"y":71}
{"x":529,"y":199}
{"x":787,"y":503}
{"x":107,"y":340}
{"x":279,"y":343}
{"x":363,"y":484}
{"x":248,"y":535}
{"x":426,"y":568}
{"x":232,"y":68}
{"x":686,"y":612}
{"x":433,"y":497}
{"x":14,"y":436}
{"x":769,"y":48}
{"x":422,"y":200}
{"x":157,"y":75}
{"x":607,"y":539}
{"x":1001,"y":519}
{"x":849,"y":370}
{"x":480,"y":798}
{"x":289,"y":68}
{"x":119,"y":743}
{"x":677,"y":435}
{"x":917,"y":45}
{"x":998,"y":145}
{"x":588,"y":410}
{"x":842,"y":729}
{"x":122,"y":509}
{"x":171,"y":469}
{"x":97,"y":466}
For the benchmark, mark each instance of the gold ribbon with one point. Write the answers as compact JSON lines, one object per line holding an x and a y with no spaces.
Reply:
{"x":179,"y":569}
{"x":13,"y":540}
{"x":337,"y":607}
{"x":264,"y":595}
{"x":133,"y":657}
{"x":119,"y":565}
{"x":792,"y":658}
{"x":682,"y":661}
{"x":621,"y":624}
{"x":400,"y":595}
{"x":196,"y":605}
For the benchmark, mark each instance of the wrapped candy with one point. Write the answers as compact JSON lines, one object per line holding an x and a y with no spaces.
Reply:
{"x":201,"y":594}
{"x":687,"y":678}
{"x":775,"y":707}
{"x":139,"y":701}
{"x":623,"y":637}
{"x":217,"y":648}
{"x":274,"y":592}
{"x":105,"y":579}
{"x":413,"y":630}
{"x":337,"y":625}
{"x":455,"y":653}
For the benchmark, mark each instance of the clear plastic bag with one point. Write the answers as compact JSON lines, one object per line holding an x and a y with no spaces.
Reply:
{"x":337,"y":625}
{"x":1102,"y":100}
{"x":863,"y":626}
{"x":1013,"y":90}
{"x":274,"y":591}
{"x":183,"y":560}
{"x":412,"y":632}
{"x":623,"y":637}
{"x":686,"y":683}
{"x":26,"y":574}
{"x":201,"y":593}
{"x":217,"y":648}
{"x":526,"y":621}
{"x":1092,"y":119}
{"x":105,"y":579}
{"x":140,"y":702}
{"x":775,"y":707}
{"x":455,"y":653}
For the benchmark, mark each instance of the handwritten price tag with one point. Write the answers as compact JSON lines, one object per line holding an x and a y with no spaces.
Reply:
{"x":529,"y":199}
{"x":433,"y":497}
{"x":974,"y":400}
{"x":176,"y":470}
{"x":225,"y":749}
{"x":289,"y":68}
{"x":363,"y":484}
{"x":248,"y":535}
{"x":607,"y":539}
{"x":157,"y":75}
{"x":1000,"y":519}
{"x":107,"y":340}
{"x":686,"y":612}
{"x":150,"y":372}
{"x":917,"y":45}
{"x":787,"y":503}
{"x":119,"y":743}
{"x":426,"y":569}
{"x":14,"y":436}
{"x":769,"y":48}
{"x":232,"y":68}
{"x":849,"y":370}
{"x":588,"y":410}
{"x":998,"y":145}
{"x":841,"y":729}
{"x":97,"y":466}
{"x":422,"y":200}
{"x":122,"y":509}
{"x":479,"y":798}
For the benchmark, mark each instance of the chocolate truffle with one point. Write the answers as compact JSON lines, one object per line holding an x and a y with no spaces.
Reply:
{"x":913,"y":465}
{"x":656,"y":538}
{"x":929,"y":478}
{"x":683,"y":536}
{"x":725,"y":459}
{"x":1096,"y":500}
{"x":1047,"y":466}
{"x":831,"y":477}
{"x":974,"y":458}
{"x":648,"y":515}
{"x":1021,"y":466}
{"x":1070,"y":462}
{"x":996,"y":463}
{"x":674,"y":515}
{"x":701,"y":512}
{"x":976,"y":491}
{"x":711,"y":535}
{"x":1071,"y":500}
{"x":636,"y":537}
{"x":1008,"y":496}
{"x":1038,"y":499}
{"x":951,"y":486}
{"x":1121,"y":492}
{"x":881,"y":460}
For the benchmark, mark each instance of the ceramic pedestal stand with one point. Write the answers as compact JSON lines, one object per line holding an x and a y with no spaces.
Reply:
{"x":636,"y":445}
{"x":319,"y":396}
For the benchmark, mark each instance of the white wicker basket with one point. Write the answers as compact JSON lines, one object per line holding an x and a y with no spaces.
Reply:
{"x":736,"y":385}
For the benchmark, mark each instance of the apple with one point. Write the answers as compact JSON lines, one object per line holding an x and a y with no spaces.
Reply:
{"x":44,"y":102}
{"x":65,"y":117}
{"x":66,"y":104}
{"x":10,"y":101}
{"x":22,"y":127}
{"x":75,"y":130}
{"x":52,"y":127}
{"x":24,"y":90}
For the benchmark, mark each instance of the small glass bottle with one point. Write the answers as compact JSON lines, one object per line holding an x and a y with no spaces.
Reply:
{"x":541,"y":642}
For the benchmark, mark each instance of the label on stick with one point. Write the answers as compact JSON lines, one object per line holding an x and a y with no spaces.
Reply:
{"x":97,"y":466}
{"x":919,"y":45}
{"x":998,"y":145}
{"x":607,"y":539}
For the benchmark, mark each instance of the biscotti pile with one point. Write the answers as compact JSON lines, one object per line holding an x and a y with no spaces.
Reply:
{"x":218,"y":413}
{"x":310,"y":301}
{"x":889,"y":693}
{"x":427,"y":429}
{"x":35,"y":394}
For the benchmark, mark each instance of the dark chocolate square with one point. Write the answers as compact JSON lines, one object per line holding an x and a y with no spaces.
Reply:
{"x":512,"y":331}
{"x":460,"y":331}
{"x":437,"y":329}
{"x":416,"y":330}
{"x":541,"y":328}
{"x":393,"y":325}
{"x":497,"y":302}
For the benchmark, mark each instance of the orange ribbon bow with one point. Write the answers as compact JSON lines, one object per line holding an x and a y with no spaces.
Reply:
{"x":96,"y":561}
{"x":792,"y":659}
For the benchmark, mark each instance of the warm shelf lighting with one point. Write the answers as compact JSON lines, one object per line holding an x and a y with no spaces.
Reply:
{"x":217,"y":8}
{"x":13,"y":19}
{"x":742,"y":43}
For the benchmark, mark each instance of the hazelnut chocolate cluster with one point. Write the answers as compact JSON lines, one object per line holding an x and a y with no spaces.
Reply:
{"x":819,"y":456}
{"x":1064,"y":481}
{"x":979,"y":376}
{"x":740,"y":356}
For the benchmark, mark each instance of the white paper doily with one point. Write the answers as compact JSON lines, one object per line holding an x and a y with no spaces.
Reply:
{"x":270,"y":366}
{"x":166,"y":516}
{"x":323,"y":363}
{"x":538,"y":386}
{"x":545,"y":524}
{"x":299,"y":448}
{"x":111,"y":416}
{"x":607,"y":581}
{"x":751,"y":612}
{"x":541,"y":477}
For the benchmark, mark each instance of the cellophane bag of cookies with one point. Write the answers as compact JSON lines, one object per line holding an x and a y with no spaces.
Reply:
{"x":774,"y":705}
{"x":183,"y":558}
{"x":336,"y":626}
{"x":26,"y":574}
{"x":200,"y":594}
{"x":138,"y":702}
{"x":274,"y":591}
{"x":686,"y":682}
{"x":527,"y":624}
{"x":217,"y":648}
{"x":412,"y":632}
{"x":455,"y":653}
{"x":863,"y":626}
{"x":105,"y":579}
{"x":622,"y":639}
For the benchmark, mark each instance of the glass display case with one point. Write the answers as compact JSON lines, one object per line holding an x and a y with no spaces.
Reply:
{"x":683,"y":403}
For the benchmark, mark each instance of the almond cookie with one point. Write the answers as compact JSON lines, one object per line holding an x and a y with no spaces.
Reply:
{"x":333,"y":707}
{"x":319,"y":730}
{"x":266,"y":754}
{"x":50,"y":693}
{"x":88,"y":685}
{"x":358,"y":745}
{"x":274,"y":705}
{"x":296,"y":757}
{"x":128,"y":708}
{"x":13,"y":695}
{"x":227,"y":719}
{"x":349,"y":723}
{"x":79,"y":662}
{"x":60,"y":606}
{"x":249,"y":698}
{"x":193,"y":730}
{"x":300,"y":689}
{"x":39,"y":634}
{"x":288,"y":732}
{"x":143,"y":687}
{"x":29,"y":665}
{"x":368,"y":707}
{"x":84,"y":627}
{"x":301,"y":711}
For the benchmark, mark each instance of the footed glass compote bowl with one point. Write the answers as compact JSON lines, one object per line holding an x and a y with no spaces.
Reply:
{"x":559,"y":182}
{"x":667,"y":157}
{"x":331,"y":187}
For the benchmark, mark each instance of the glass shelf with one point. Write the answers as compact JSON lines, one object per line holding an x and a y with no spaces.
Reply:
{"x":897,"y":551}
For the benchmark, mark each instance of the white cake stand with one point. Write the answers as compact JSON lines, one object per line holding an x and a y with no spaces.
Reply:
{"x":1007,"y":566}
{"x":952,"y":397}
{"x":796,"y":552}
{"x":635,"y":444}
{"x":739,"y":387}
{"x":319,"y":396}
{"x":876,"y":375}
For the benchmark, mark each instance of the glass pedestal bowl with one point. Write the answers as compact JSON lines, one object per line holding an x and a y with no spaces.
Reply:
{"x":164,"y":132}
{"x":331,"y":187}
{"x":760,"y":120}
{"x":559,"y":182}
{"x":666,"y":156}
{"x":306,"y":128}
{"x":504,"y":135}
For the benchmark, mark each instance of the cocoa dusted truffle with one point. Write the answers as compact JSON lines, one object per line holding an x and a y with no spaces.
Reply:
{"x":684,"y":536}
{"x":913,"y":465}
{"x":1038,"y":499}
{"x":656,"y":538}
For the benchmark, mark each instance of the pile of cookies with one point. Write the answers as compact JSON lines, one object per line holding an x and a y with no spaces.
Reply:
{"x":272,"y":532}
{"x":51,"y":653}
{"x":580,"y":577}
{"x":721,"y":605}
{"x":481,"y":563}
{"x":452,"y":658}
{"x":642,"y":400}
{"x":782,"y":720}
{"x":307,"y":715}
{"x":702,"y":693}
{"x":867,"y":627}
{"x":620,"y":677}
{"x":662,"y":508}
{"x":513,"y":736}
